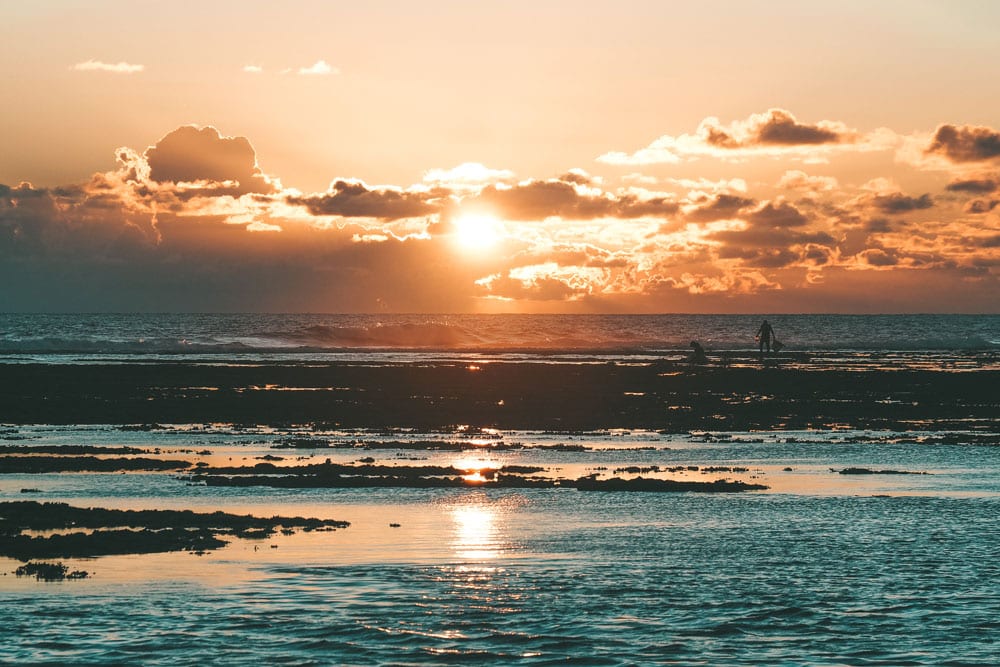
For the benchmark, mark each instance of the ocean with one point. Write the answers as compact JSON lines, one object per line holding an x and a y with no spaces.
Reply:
{"x":873,"y":543}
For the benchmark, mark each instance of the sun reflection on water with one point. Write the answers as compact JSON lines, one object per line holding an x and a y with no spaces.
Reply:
{"x":475,"y":532}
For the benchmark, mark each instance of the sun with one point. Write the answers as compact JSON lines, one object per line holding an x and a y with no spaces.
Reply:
{"x":477,"y":231}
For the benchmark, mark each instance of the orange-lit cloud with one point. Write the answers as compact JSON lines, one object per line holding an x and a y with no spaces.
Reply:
{"x":775,"y":133}
{"x":966,"y":144}
{"x":354,"y":199}
{"x":193,"y":222}
{"x":203,"y":161}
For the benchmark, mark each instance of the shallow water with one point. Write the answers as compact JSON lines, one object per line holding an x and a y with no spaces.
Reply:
{"x":819,"y":569}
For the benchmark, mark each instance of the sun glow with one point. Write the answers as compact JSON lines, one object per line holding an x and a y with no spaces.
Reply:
{"x":477,"y":231}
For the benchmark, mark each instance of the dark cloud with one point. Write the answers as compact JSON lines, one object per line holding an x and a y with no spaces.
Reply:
{"x":537,"y":200}
{"x":966,"y":143}
{"x":775,"y":127}
{"x":774,"y":238}
{"x":720,"y":207}
{"x":67,"y":222}
{"x":577,"y":176}
{"x":818,"y":255}
{"x":191,"y":154}
{"x":878,"y":225}
{"x":979,"y":186}
{"x":979,"y":206}
{"x":769,"y":258}
{"x":782,"y":215}
{"x":782,"y":128}
{"x":353,"y":199}
{"x":897,"y":202}
{"x":879,"y":257}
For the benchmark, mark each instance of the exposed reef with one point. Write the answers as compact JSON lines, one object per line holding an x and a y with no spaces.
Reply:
{"x":43,"y":464}
{"x":869,"y":471}
{"x":665,"y":485}
{"x":332,"y":475}
{"x":49,"y":572}
{"x":87,"y":532}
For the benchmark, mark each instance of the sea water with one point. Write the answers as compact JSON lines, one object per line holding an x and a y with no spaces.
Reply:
{"x":820,"y":568}
{"x":37,"y":335}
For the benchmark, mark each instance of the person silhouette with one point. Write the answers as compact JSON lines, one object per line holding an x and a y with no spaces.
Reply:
{"x":697,"y":353}
{"x":764,"y":335}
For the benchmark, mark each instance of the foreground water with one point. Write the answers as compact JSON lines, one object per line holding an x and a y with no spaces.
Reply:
{"x":822,"y":568}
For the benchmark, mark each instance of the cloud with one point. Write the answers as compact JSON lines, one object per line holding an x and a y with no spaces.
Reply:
{"x":253,"y":69}
{"x":795,"y":179}
{"x":468,"y":175}
{"x":898,"y":202}
{"x":719,"y":207}
{"x":537,"y":200}
{"x":319,"y":68}
{"x":722,"y":185}
{"x":116,"y":68}
{"x":191,"y":221}
{"x":973,"y":185}
{"x":980,"y":206}
{"x":776,"y":235}
{"x":775,"y":133}
{"x":878,"y":257}
{"x":776,"y":126}
{"x":545,"y":282}
{"x":352,"y":198}
{"x":965,"y":143}
{"x":730,"y":283}
{"x":208,"y":162}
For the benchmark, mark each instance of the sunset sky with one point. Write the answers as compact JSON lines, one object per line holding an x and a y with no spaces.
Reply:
{"x":637,"y":156}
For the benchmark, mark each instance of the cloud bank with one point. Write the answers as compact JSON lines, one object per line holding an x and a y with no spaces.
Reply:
{"x":194,"y":222}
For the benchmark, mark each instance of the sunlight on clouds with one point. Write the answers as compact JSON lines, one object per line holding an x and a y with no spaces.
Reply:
{"x":564,"y":243}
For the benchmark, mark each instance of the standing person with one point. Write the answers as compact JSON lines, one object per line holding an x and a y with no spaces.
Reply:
{"x":764,"y":336}
{"x":698,"y":355}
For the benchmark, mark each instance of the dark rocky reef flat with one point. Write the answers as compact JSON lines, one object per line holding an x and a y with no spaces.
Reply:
{"x":49,"y":572}
{"x":337,"y":475}
{"x":665,"y":485}
{"x":497,"y":445}
{"x":330,"y":475}
{"x":88,"y":532}
{"x":72,"y":450}
{"x":869,"y":471}
{"x":509,"y":395}
{"x":45,"y":464}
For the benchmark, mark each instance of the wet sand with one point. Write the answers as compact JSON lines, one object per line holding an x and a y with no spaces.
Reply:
{"x":507,"y":395}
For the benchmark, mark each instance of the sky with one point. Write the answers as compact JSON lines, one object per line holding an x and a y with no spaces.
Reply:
{"x":545,"y":156}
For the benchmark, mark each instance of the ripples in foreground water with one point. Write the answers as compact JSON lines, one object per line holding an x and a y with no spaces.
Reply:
{"x":545,"y":577}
